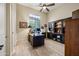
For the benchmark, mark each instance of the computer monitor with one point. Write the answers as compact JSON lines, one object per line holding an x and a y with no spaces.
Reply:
{"x":38,"y":29}
{"x":50,"y":29}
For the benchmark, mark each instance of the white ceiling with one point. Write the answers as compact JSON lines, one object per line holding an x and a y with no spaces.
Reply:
{"x":37,"y":7}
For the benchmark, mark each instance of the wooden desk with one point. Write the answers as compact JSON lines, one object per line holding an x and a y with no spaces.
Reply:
{"x":36,"y":39}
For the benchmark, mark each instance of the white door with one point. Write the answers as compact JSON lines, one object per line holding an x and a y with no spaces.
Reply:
{"x":2,"y":27}
{"x":13,"y":26}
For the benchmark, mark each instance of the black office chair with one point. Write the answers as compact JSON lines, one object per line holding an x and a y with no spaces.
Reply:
{"x":38,"y":30}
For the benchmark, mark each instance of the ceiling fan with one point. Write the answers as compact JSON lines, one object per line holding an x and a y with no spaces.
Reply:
{"x":45,"y":6}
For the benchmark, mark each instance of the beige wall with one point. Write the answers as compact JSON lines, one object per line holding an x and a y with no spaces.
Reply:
{"x":22,"y":14}
{"x":62,"y":12}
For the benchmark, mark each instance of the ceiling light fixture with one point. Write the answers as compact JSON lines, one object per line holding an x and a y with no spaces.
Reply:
{"x":44,"y":7}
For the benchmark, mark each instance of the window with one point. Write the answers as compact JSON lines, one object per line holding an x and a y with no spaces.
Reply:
{"x":34,"y":22}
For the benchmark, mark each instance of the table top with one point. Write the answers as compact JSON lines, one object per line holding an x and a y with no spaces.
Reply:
{"x":36,"y":34}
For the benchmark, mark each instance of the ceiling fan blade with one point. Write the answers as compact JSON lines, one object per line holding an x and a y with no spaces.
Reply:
{"x":52,"y":4}
{"x":47,"y":9}
{"x":41,"y":10}
{"x":41,"y":5}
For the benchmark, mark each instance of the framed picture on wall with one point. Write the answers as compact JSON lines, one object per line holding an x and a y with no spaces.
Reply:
{"x":22,"y":24}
